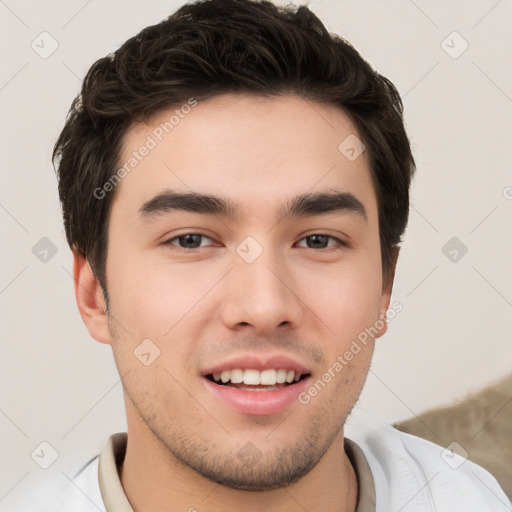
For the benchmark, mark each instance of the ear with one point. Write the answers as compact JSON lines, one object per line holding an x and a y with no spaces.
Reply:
{"x":90,"y":299}
{"x":387,"y":288}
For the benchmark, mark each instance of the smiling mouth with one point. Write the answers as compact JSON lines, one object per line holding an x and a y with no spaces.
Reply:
{"x":254,"y":380}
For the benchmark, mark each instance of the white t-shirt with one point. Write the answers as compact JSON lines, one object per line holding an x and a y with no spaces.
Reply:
{"x":409,"y":474}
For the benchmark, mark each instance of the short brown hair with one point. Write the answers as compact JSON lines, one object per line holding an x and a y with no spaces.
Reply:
{"x":214,"y":47}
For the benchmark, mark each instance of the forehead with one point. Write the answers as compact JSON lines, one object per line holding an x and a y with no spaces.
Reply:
{"x":255,"y":150}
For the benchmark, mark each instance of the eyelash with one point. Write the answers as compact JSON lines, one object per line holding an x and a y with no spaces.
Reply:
{"x":341,"y":243}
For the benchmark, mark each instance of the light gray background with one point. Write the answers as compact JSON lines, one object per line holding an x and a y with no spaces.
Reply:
{"x":60,"y":386}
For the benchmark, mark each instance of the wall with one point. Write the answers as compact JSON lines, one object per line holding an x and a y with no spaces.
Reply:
{"x":60,"y":386}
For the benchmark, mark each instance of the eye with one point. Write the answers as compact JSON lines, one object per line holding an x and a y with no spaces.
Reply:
{"x":187,"y":241}
{"x":319,"y":240}
{"x":192,"y":241}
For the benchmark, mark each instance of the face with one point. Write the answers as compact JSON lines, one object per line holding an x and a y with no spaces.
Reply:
{"x":249,"y":287}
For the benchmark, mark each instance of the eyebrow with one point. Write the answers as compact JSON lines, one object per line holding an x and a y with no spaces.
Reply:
{"x":304,"y":205}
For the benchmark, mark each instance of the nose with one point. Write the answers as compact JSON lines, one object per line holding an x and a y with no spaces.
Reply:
{"x":262,"y":294}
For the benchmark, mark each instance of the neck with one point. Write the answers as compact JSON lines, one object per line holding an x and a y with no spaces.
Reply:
{"x":152,"y":478}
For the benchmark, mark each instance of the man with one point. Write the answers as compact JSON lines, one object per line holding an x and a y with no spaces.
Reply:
{"x":234,"y":184}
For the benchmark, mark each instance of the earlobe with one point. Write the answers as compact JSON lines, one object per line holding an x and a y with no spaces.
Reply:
{"x":387,"y":288}
{"x":90,"y":299}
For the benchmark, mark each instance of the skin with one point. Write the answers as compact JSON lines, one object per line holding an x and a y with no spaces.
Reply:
{"x":307,"y":302}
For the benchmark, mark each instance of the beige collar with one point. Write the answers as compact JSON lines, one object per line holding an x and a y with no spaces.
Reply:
{"x":111,"y":489}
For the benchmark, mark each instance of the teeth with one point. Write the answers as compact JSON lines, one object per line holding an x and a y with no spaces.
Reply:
{"x":281,"y":376}
{"x":237,"y":376}
{"x":252,"y":388}
{"x":252,"y":377}
{"x":268,"y":377}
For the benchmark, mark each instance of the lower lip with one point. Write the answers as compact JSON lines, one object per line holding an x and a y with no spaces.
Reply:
{"x":260,"y":403}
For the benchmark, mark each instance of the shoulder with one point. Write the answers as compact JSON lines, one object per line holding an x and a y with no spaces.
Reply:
{"x":412,"y":474}
{"x":80,"y":493}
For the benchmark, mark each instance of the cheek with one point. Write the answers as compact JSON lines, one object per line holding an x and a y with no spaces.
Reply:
{"x":167,"y":304}
{"x":154,"y":297}
{"x":347,"y":299}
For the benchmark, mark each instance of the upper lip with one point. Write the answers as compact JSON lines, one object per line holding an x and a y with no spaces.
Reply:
{"x":258,"y":362}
